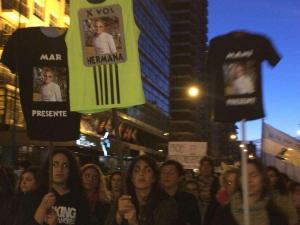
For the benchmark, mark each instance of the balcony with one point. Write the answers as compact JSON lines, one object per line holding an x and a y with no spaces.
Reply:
{"x":39,"y":11}
{"x":14,"y":10}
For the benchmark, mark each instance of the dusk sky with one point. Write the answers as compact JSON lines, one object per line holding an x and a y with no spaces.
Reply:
{"x":280,"y":22}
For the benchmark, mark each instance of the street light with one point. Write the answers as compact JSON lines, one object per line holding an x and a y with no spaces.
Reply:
{"x":193,"y":91}
{"x":233,"y":136}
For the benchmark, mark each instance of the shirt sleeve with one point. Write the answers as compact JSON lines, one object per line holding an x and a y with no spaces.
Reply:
{"x":271,"y":55}
{"x":10,"y":52}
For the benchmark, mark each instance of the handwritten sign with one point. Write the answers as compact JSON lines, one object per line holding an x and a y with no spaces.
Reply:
{"x":187,"y":153}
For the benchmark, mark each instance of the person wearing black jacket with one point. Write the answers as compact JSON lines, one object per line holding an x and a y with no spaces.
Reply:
{"x":66,"y":203}
{"x":171,"y":174}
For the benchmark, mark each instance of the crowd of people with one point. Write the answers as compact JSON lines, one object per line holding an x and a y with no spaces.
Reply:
{"x":150,"y":193}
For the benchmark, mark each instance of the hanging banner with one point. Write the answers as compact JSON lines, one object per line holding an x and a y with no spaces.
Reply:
{"x":187,"y":153}
{"x":282,"y":151}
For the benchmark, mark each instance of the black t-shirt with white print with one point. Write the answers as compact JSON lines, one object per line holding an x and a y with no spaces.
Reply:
{"x":71,"y":208}
{"x":40,"y":61}
{"x":234,"y":62}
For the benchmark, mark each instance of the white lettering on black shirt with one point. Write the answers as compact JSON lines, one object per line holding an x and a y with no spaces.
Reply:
{"x":239,"y":54}
{"x":66,"y":215}
{"x":49,"y":113}
{"x":241,"y":101}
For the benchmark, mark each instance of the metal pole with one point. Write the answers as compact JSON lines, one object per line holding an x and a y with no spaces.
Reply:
{"x":245,"y":175}
{"x":115,"y":124}
{"x":50,"y":150}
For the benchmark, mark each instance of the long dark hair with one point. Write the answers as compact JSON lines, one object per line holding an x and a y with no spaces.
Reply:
{"x":73,"y":182}
{"x":279,"y":185}
{"x":156,"y":193}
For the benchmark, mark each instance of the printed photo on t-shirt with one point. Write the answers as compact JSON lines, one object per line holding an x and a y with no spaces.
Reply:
{"x":239,"y":78}
{"x":102,"y":35}
{"x":49,"y":84}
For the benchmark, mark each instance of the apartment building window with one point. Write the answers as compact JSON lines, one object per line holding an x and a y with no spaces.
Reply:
{"x":7,"y":108}
{"x":18,"y":5}
{"x":39,"y":11}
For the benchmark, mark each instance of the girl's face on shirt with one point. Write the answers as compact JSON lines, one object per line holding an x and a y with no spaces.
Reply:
{"x":61,"y":168}
{"x":99,"y":27}
{"x":142,"y":176}
{"x":28,"y":182}
{"x":48,"y":77}
{"x":90,"y":179}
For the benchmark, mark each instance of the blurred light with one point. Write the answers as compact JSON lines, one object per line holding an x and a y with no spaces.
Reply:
{"x":160,"y":150}
{"x":166,"y":134}
{"x":242,"y":146}
{"x":124,"y":117}
{"x":251,"y":156}
{"x":193,"y":91}
{"x":245,"y":150}
{"x":233,"y":137}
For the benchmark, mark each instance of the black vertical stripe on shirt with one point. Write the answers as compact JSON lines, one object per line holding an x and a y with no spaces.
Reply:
{"x":117,"y":83}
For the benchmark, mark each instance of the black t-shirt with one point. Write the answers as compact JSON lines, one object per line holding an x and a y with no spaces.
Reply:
{"x":234,"y":62}
{"x":71,"y":208}
{"x":41,"y":65}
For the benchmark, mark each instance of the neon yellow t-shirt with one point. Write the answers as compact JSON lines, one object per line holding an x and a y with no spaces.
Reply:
{"x":103,"y":58}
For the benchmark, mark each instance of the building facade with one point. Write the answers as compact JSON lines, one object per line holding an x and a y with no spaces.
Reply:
{"x":189,"y":116}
